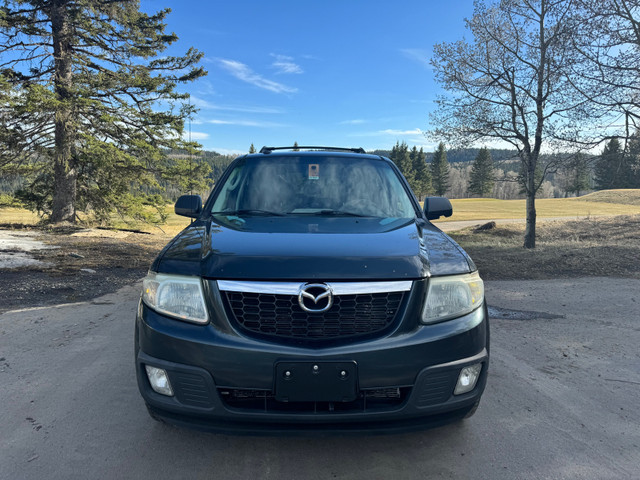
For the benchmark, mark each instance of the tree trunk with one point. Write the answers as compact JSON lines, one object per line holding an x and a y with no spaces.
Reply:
{"x":64,"y":168}
{"x":530,"y":230}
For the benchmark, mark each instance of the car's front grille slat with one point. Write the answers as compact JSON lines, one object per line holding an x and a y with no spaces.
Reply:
{"x":280,"y":315}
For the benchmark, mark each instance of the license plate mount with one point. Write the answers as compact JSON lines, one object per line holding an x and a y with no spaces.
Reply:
{"x":316,"y":381}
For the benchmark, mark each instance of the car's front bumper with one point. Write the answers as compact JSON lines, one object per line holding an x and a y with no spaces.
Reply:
{"x":206,"y":365}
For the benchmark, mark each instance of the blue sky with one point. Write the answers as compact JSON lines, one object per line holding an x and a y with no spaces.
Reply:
{"x":341,"y":73}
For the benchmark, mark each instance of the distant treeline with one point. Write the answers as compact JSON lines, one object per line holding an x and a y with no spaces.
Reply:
{"x":591,"y":171}
{"x":465,"y":155}
{"x":217,"y":163}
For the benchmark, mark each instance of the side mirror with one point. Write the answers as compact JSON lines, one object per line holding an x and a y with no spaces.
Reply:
{"x":189,"y":206}
{"x":436,"y":207}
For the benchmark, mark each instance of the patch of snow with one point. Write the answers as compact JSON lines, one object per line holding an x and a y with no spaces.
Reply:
{"x":15,"y":248}
{"x":21,"y":241}
{"x":18,"y":259}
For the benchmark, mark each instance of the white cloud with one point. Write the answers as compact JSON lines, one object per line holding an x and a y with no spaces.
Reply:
{"x":245,"y":123}
{"x":356,"y":121}
{"x":227,"y":151}
{"x":250,"y":109}
{"x":200,"y":102}
{"x":205,"y":87}
{"x":389,"y":132}
{"x":195,"y":136}
{"x":417,"y":55}
{"x":244,"y":73}
{"x":203,"y":104}
{"x":285,"y":64}
{"x":415,"y":131}
{"x":384,"y":139}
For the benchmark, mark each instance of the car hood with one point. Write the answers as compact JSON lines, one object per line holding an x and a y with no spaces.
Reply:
{"x":413,"y":251}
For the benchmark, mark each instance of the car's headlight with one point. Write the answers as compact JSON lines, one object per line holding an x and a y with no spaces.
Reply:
{"x":175,"y":295}
{"x":454,"y":296}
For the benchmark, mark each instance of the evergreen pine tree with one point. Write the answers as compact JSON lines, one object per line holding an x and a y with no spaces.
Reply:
{"x":82,"y":90}
{"x":440,"y":171}
{"x":422,"y":175}
{"x":400,"y":156}
{"x":611,"y":170}
{"x":578,"y":175}
{"x":252,"y":149}
{"x":295,"y":147}
{"x":634,"y":160}
{"x":482,"y":176}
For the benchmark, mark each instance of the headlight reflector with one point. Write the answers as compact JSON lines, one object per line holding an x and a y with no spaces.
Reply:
{"x":175,"y":295}
{"x":454,"y":296}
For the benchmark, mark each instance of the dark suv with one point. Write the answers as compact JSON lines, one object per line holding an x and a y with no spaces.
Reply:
{"x":312,"y":293}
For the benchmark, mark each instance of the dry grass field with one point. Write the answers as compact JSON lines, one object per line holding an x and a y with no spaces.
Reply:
{"x":11,"y":217}
{"x":603,"y":203}
{"x":627,"y":197}
{"x":604,"y":246}
{"x":17,"y":216}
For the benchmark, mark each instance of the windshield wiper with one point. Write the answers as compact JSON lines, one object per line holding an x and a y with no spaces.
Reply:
{"x":249,"y":211}
{"x":337,"y":213}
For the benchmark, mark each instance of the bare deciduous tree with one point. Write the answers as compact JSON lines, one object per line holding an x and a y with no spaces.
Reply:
{"x":509,"y":84}
{"x":608,"y":38}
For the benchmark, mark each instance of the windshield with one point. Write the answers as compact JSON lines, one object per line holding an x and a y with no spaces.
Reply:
{"x":313,"y":185}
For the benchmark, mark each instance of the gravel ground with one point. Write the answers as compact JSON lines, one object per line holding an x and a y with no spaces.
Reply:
{"x":70,"y":265}
{"x":560,"y":403}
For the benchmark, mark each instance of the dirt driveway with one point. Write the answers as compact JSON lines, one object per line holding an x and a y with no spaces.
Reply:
{"x":561,"y":401}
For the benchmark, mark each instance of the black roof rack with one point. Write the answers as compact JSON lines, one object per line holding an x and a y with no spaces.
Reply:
{"x":267,"y":150}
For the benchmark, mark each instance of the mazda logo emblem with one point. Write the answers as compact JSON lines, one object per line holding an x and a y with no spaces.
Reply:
{"x":315,"y":297}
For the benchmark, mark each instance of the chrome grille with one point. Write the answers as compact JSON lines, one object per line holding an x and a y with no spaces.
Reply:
{"x":280,"y":315}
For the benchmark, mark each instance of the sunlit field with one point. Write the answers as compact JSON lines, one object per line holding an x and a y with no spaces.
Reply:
{"x":13,"y":217}
{"x":602,"y":203}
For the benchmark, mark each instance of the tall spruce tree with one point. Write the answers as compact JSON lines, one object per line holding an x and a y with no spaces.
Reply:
{"x":88,"y":108}
{"x":634,"y":160}
{"x":401,"y":157}
{"x":252,"y":149}
{"x":482,"y":176}
{"x":440,"y":170}
{"x":422,"y":175}
{"x":612,"y":170}
{"x":578,"y":175}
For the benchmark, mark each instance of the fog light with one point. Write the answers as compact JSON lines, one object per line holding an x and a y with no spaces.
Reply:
{"x":159,"y":380}
{"x":468,"y":379}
